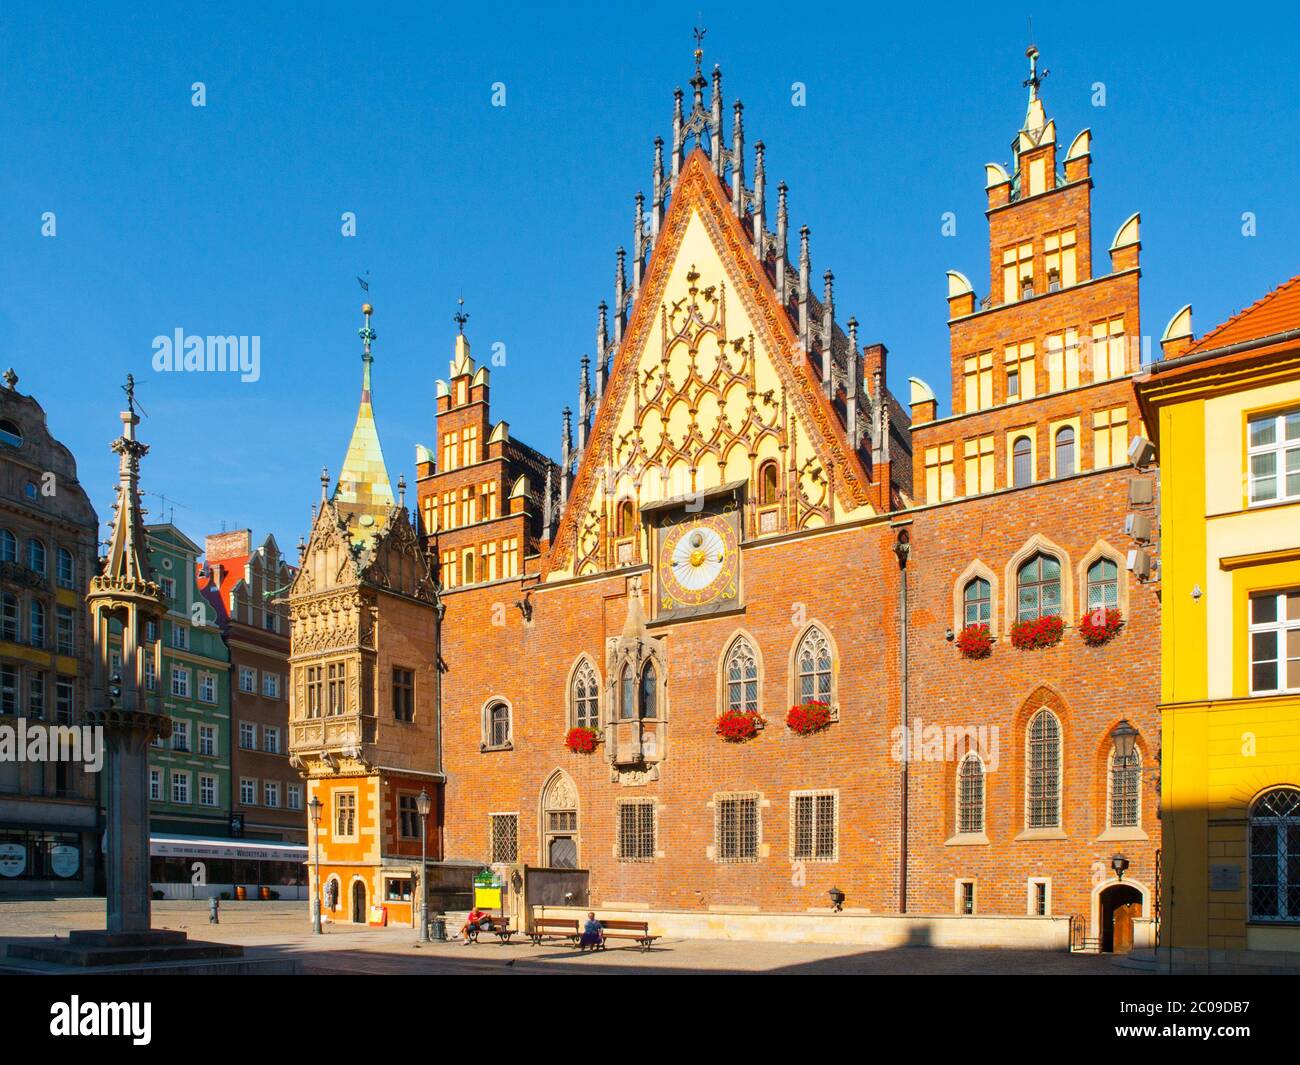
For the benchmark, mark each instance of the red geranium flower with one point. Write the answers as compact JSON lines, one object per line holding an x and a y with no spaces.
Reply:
{"x":812,"y":716}
{"x":581,"y":740}
{"x":975,"y":641}
{"x":1099,"y":625}
{"x":1043,"y":631}
{"x":736,"y":727}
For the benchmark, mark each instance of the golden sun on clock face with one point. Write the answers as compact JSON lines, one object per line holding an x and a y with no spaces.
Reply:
{"x":697,"y":562}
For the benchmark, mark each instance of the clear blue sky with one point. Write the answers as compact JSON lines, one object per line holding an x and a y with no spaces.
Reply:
{"x":226,"y":219}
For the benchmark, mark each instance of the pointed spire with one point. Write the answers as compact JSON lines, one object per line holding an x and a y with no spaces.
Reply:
{"x":324,"y":484}
{"x":738,"y":162}
{"x":128,"y":560}
{"x":851,"y":387}
{"x":715,"y":141}
{"x":782,"y":241}
{"x":638,"y":242}
{"x":364,"y":494}
{"x":1035,"y":117}
{"x":547,"y":491}
{"x":584,"y":403}
{"x":760,"y":207}
{"x":805,"y":272}
{"x":401,"y":490}
{"x":828,"y":334}
{"x":620,"y":287}
{"x":678,"y":135}
{"x":657,"y":196}
{"x":602,"y":349}
{"x":566,"y":453}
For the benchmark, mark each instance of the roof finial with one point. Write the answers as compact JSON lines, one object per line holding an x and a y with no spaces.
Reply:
{"x":699,"y":47}
{"x":366,"y":334}
{"x":1035,"y":78}
{"x":460,"y":317}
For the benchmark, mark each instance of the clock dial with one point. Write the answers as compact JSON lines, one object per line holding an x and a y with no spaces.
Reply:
{"x":697,"y":563}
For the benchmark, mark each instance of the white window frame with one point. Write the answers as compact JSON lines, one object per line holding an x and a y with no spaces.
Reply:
{"x":182,"y":690}
{"x":208,"y":740}
{"x":180,"y":776}
{"x":209,"y":782}
{"x":1279,"y":449}
{"x":1279,"y":630}
{"x":155,"y":784}
{"x":248,"y":791}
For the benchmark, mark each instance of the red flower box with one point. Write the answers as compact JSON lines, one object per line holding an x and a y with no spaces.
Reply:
{"x":1099,"y":625}
{"x":735,"y":727}
{"x":581,"y":740}
{"x":1044,"y":631}
{"x":975,"y":641}
{"x":805,"y":718}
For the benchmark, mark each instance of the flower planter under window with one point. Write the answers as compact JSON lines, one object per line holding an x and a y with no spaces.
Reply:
{"x":1039,"y":632}
{"x":975,"y":641}
{"x":808,"y":717}
{"x":581,"y":740}
{"x":1100,"y":625}
{"x":736,"y":727}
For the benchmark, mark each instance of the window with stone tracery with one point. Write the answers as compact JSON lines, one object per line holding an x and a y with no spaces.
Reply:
{"x":741,"y":678}
{"x":584,"y":697}
{"x":814,"y":664}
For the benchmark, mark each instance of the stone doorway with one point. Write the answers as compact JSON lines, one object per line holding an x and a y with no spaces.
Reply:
{"x":1119,"y":905}
{"x":358,"y":902}
{"x":560,"y":822}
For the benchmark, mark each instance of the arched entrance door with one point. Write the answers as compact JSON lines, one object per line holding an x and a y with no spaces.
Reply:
{"x":358,"y":902}
{"x":560,"y":822}
{"x":1119,"y":905}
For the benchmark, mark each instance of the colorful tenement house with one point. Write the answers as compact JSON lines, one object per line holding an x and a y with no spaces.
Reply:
{"x":363,"y":723}
{"x":1019,"y":530}
{"x":245,"y":589}
{"x":189,"y":770}
{"x":1225,"y":416}
{"x":48,"y":553}
{"x":717,"y":685}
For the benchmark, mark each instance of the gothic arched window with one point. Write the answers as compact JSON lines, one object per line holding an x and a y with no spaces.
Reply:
{"x":1038,"y":588}
{"x":496,"y":726}
{"x":1103,"y":584}
{"x":1043,"y":771}
{"x":767,"y":483}
{"x":970,"y":794}
{"x":741,"y":678}
{"x":649,"y":692}
{"x":627,"y":694}
{"x":977,"y":601}
{"x":813,"y":663}
{"x":584,"y":697}
{"x":1125,"y":778}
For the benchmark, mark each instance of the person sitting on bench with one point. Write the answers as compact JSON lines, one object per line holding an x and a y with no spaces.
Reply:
{"x":477,"y":919}
{"x":593,"y":934}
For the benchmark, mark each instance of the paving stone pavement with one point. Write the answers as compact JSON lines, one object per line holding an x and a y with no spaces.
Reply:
{"x":279,"y":929}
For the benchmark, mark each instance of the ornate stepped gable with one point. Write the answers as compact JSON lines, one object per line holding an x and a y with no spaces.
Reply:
{"x":710,"y":381}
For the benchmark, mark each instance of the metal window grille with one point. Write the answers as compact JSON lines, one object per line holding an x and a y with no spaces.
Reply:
{"x":970,"y":795}
{"x":815,"y":826}
{"x":636,"y":831}
{"x":967,"y":897}
{"x":736,"y":828}
{"x":586,"y":698}
{"x":815,"y":667}
{"x":1043,"y":789}
{"x":742,"y":678}
{"x":1275,"y":857}
{"x":1125,"y":777}
{"x":505,"y":837}
{"x":499,"y":727}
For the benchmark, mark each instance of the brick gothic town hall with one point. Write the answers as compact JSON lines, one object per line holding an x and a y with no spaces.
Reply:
{"x":766,"y":629}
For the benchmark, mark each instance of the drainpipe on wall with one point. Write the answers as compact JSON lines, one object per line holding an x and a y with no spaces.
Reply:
{"x":902,"y":549}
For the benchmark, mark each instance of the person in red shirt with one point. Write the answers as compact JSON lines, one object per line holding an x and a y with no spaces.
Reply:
{"x":477,"y":918}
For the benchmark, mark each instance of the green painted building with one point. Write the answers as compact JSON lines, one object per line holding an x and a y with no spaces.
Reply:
{"x":189,"y":774}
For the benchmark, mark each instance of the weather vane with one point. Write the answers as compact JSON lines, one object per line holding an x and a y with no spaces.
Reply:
{"x":129,"y":389}
{"x":460,"y":317}
{"x":1035,"y":78}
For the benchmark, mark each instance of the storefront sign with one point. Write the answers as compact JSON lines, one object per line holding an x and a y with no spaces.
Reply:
{"x":65,"y":860}
{"x":13,"y":859}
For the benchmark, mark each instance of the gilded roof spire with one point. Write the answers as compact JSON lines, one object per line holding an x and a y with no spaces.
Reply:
{"x":364,"y":494}
{"x":127,"y":560}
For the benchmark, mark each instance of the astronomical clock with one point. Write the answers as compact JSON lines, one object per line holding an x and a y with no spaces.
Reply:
{"x":697,"y":561}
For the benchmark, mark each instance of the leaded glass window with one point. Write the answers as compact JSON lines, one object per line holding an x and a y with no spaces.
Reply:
{"x":742,"y":678}
{"x":978,"y":602}
{"x":1038,"y":588}
{"x":1125,"y":782}
{"x":814,"y":665}
{"x":970,"y":795}
{"x":586,"y":697}
{"x":1103,"y":584}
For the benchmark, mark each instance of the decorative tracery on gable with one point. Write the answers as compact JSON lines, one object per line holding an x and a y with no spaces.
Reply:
{"x":584,"y":537}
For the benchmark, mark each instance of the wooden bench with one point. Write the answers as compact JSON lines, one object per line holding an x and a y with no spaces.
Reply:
{"x":638,"y":931}
{"x":499,"y":927}
{"x":554,"y":926}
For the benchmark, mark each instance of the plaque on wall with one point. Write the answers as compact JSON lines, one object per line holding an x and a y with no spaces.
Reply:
{"x":1225,"y":877}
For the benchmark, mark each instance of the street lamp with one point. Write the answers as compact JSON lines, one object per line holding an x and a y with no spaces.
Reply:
{"x":422,"y":806}
{"x":1124,"y":737}
{"x":315,"y":807}
{"x":1120,"y":864}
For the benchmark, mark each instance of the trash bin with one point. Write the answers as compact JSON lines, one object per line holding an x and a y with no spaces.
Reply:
{"x":438,"y":929}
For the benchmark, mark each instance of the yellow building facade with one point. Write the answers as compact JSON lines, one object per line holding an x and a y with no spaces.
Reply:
{"x":1225,"y":413}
